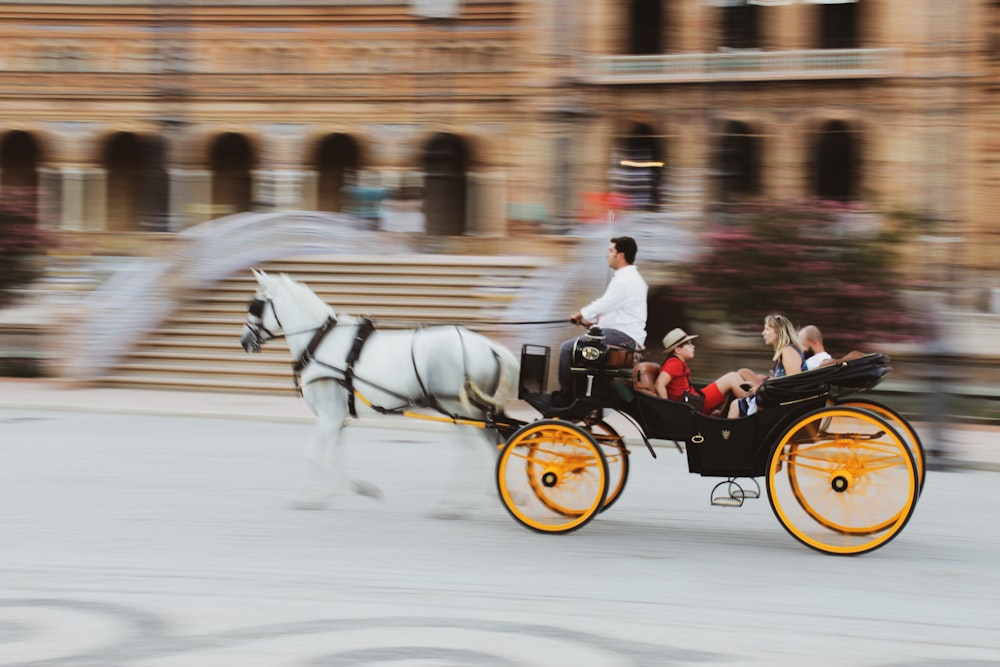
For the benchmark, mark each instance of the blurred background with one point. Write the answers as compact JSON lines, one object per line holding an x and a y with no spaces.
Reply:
{"x":467,"y":161}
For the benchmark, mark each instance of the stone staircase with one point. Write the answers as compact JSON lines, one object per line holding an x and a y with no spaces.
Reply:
{"x":197,"y":348}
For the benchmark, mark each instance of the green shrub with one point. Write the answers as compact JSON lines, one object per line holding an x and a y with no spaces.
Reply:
{"x":21,"y":244}
{"x":807,"y":261}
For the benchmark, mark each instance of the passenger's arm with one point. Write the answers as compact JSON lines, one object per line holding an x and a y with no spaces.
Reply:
{"x":662,"y":380}
{"x":791,"y":360}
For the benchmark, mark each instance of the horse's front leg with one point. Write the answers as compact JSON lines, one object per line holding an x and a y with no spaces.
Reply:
{"x":315,"y":484}
{"x":322,"y":476}
{"x":325,"y":474}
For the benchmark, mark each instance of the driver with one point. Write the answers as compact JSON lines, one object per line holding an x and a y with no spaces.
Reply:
{"x":620,"y":311}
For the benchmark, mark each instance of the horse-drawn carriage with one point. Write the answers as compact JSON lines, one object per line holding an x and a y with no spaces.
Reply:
{"x":842,"y":474}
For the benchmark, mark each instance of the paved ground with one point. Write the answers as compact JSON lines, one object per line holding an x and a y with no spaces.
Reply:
{"x":156,"y":540}
{"x":965,"y":446}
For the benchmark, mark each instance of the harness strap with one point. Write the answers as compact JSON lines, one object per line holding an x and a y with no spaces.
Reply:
{"x":365,"y":330}
{"x":307,"y":354}
{"x":432,"y":400}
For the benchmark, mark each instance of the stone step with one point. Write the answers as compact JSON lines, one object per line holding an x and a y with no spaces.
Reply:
{"x":197,"y":347}
{"x":188,"y":383}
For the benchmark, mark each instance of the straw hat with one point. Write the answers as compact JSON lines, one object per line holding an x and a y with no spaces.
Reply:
{"x":674,"y":338}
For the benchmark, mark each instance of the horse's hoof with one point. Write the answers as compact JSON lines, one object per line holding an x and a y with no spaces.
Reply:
{"x":307,"y":504}
{"x":366,"y":489}
{"x":450,"y":513}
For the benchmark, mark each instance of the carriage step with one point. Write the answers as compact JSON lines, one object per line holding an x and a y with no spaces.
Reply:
{"x":727,"y":501}
{"x":731,"y":493}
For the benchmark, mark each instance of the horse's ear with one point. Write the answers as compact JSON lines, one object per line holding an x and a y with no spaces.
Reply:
{"x":260,"y":276}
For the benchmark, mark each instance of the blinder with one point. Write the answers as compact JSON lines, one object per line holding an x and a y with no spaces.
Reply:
{"x":256,"y":308}
{"x":258,"y":333}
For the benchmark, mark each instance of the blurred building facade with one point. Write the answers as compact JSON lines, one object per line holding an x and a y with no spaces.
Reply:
{"x":492,"y":117}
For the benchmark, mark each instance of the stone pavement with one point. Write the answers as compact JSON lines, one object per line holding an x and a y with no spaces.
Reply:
{"x":965,"y":446}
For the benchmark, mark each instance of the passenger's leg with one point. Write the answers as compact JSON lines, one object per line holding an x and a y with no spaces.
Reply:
{"x":732,"y":383}
{"x":751,"y":378}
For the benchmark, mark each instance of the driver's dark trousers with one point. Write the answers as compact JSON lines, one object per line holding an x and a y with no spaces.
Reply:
{"x":611,"y":337}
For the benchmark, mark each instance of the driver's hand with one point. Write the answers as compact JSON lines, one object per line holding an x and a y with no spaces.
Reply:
{"x":576,"y":318}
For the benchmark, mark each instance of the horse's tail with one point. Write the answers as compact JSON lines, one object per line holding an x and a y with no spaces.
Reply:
{"x":509,"y":370}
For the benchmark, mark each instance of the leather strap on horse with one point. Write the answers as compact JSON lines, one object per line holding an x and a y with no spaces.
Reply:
{"x":365,"y":330}
{"x":432,"y":400}
{"x":307,"y":354}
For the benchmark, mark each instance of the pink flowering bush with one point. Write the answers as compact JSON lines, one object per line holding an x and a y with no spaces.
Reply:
{"x":810,"y":261}
{"x":21,"y":244}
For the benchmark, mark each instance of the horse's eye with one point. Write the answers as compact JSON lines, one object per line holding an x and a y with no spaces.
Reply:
{"x":256,"y":307}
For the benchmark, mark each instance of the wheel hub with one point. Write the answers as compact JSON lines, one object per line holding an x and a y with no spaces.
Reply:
{"x":841,"y":481}
{"x":549,"y":479}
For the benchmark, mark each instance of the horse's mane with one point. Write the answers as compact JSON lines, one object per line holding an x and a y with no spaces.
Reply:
{"x":305,"y":297}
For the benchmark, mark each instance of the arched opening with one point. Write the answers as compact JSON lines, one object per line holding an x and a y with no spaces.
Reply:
{"x":19,"y":158}
{"x":446,"y":159}
{"x":836,"y":161}
{"x":839,"y":25}
{"x":639,"y":172}
{"x":124,"y":165}
{"x":231,"y":162}
{"x":338,"y":159}
{"x":645,"y":27}
{"x":738,"y":162}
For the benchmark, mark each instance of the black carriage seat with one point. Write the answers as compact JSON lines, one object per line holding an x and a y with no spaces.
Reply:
{"x":851,"y":373}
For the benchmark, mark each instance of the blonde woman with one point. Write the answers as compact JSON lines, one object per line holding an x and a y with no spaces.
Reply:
{"x":789,"y":358}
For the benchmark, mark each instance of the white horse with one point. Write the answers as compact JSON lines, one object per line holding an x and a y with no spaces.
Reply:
{"x":345,"y":366}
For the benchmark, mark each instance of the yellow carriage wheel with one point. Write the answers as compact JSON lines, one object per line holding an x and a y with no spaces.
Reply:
{"x":552,"y":476}
{"x":617,"y":456}
{"x":842,"y":480}
{"x":902,"y":427}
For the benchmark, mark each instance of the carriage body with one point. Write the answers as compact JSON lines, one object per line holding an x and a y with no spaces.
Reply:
{"x":810,"y":436}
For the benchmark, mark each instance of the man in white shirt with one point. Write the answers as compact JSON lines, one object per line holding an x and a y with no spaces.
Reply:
{"x":620,"y":312}
{"x":812,"y":344}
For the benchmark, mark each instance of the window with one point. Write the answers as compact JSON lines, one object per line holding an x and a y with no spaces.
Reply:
{"x":645,"y":27}
{"x":738,"y":24}
{"x":838,"y":25}
{"x":738,"y":162}
{"x":836,"y":162}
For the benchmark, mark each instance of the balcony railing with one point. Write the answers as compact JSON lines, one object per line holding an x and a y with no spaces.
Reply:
{"x":740,"y":66}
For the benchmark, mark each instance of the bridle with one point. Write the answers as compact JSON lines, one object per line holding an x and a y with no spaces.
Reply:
{"x":255,"y":322}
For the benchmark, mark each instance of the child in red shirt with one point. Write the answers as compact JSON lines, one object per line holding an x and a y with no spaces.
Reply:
{"x":674,"y":379}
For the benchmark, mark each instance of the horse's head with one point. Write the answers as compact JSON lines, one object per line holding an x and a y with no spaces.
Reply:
{"x":261,"y":324}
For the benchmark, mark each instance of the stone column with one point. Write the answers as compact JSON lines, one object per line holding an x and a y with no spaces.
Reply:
{"x":690,"y":165}
{"x":50,"y":197}
{"x":81,"y":193}
{"x":309,"y":190}
{"x":277,"y":185}
{"x":486,"y":211}
{"x":190,"y":197}
{"x":787,"y":158}
{"x":277,"y":189}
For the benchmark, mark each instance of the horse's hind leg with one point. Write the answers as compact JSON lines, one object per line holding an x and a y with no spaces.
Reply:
{"x":471,"y":479}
